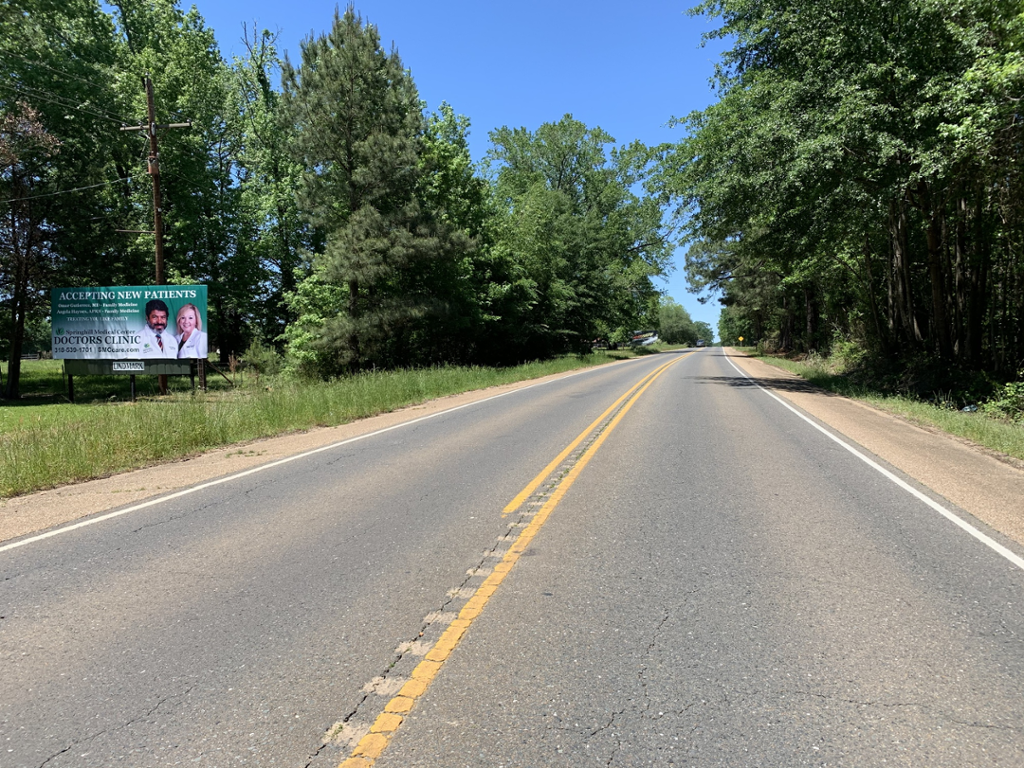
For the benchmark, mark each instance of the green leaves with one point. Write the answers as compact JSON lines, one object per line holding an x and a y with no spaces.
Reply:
{"x":849,"y":171}
{"x":585,"y":244}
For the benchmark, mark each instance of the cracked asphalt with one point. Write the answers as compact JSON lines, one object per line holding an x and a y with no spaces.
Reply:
{"x":730,"y":588}
{"x":722,"y":586}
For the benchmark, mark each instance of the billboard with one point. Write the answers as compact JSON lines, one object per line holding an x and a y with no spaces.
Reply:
{"x":136,"y":322}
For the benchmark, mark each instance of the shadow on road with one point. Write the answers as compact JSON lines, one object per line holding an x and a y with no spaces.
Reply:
{"x":782,"y":385}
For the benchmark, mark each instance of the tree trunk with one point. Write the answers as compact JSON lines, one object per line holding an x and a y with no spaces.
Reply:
{"x":884,"y":334}
{"x":978,"y":299}
{"x":19,"y":310}
{"x":22,"y":238}
{"x":786,"y":332}
{"x":957,"y":252}
{"x":353,"y":336}
{"x":940,"y":321}
{"x":811,"y":312}
{"x":902,"y":309}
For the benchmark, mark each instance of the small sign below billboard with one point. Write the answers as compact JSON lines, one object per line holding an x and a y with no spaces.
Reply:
{"x":128,"y":366}
{"x":148,"y":322}
{"x":120,"y":367}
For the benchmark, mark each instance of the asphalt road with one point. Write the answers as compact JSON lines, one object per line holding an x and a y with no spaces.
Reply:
{"x":705,"y":579}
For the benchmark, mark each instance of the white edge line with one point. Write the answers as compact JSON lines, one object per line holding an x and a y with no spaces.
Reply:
{"x":956,"y":519}
{"x":279,"y":462}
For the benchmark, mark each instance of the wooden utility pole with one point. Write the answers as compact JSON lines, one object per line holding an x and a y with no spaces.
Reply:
{"x":154,"y":171}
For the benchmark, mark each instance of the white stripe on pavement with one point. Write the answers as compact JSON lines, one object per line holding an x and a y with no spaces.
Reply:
{"x":956,"y":519}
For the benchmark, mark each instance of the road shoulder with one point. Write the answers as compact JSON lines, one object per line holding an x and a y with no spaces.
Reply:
{"x":963,"y":473}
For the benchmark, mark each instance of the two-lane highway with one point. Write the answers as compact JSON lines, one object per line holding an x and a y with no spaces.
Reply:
{"x":702,"y":578}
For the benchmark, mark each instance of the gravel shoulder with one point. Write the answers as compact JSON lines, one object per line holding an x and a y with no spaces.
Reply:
{"x":964,"y":474}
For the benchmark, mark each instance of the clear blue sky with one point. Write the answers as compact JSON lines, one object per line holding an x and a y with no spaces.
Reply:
{"x":628,"y":68}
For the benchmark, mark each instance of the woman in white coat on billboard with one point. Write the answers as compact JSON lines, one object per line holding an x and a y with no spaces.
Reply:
{"x":191,"y":339}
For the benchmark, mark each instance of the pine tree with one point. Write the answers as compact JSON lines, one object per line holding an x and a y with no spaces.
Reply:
{"x":354,"y":116}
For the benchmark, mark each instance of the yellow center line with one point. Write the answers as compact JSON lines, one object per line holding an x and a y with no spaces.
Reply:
{"x":373,"y":744}
{"x":513,"y":505}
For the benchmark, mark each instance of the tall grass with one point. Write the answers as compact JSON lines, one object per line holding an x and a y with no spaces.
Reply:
{"x":45,"y":446}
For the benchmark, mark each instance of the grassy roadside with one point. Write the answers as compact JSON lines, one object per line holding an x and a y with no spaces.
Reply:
{"x":52,"y":442}
{"x":990,"y":432}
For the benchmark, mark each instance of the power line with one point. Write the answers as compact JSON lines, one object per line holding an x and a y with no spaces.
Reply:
{"x":87,"y":82}
{"x":67,"y":191}
{"x":60,"y":72}
{"x":60,"y":101}
{"x":56,"y":100}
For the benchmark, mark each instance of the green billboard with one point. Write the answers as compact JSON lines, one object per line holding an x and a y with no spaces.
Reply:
{"x":136,"y":322}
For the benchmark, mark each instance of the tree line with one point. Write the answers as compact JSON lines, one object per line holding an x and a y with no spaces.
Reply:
{"x":859,"y":179}
{"x":332,"y":215}
{"x":857,"y":182}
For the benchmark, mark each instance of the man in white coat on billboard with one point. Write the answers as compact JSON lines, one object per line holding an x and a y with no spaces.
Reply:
{"x":155,"y":341}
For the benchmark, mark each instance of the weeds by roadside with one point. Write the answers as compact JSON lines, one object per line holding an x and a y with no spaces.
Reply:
{"x":1009,"y":401}
{"x":52,"y":443}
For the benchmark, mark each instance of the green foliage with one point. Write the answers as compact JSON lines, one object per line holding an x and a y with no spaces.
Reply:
{"x":460,"y":282}
{"x":314,"y":300}
{"x":861,"y":173}
{"x":847,"y":355}
{"x":271,"y":235}
{"x":56,"y":133}
{"x":448,"y":185}
{"x":580,"y":245}
{"x":675,"y":325}
{"x":356,"y":129}
{"x":208,"y":220}
{"x":1009,"y":402}
{"x":262,"y":358}
{"x":732,"y":325}
{"x":704,"y":332}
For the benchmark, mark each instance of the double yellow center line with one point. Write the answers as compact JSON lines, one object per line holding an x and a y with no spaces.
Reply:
{"x":373,"y":744}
